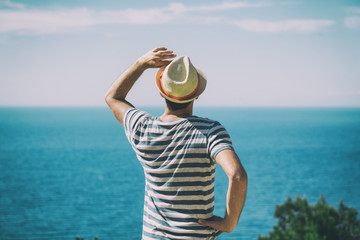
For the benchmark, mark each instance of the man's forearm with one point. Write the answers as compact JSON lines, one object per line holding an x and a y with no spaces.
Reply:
{"x":155,"y":58}
{"x":235,"y":199}
{"x":236,"y":194}
{"x":115,"y":96}
{"x":121,"y":87}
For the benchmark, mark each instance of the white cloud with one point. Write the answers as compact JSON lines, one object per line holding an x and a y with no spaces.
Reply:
{"x":41,"y":22}
{"x":181,"y":8}
{"x":352,"y":22}
{"x":10,"y":4}
{"x":353,"y":9}
{"x":27,"y":21}
{"x":225,"y":6}
{"x":64,"y":20}
{"x":299,"y":25}
{"x":60,"y":21}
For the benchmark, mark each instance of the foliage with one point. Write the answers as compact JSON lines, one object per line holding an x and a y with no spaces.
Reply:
{"x":299,"y":220}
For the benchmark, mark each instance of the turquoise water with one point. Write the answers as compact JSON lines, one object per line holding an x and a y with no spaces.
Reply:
{"x":67,"y":172}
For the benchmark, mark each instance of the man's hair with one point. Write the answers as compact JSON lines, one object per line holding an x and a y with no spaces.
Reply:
{"x":176,"y":106}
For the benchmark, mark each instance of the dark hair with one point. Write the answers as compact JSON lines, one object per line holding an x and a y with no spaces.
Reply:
{"x":176,"y":106}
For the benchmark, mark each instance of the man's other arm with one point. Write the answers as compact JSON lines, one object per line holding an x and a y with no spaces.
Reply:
{"x":236,"y":194}
{"x":115,"y":96}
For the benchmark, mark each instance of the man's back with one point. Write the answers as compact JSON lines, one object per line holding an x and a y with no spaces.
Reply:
{"x":178,"y":152}
{"x":178,"y":161}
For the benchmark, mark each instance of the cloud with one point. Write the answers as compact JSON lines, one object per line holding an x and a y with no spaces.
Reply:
{"x":297,"y":25}
{"x":30,"y":21}
{"x":352,"y":22}
{"x":10,"y":4}
{"x":42,"y":22}
{"x":60,"y":21}
{"x":353,"y":9}
{"x":225,"y":6}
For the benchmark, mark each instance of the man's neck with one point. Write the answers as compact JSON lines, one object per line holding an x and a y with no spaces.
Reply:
{"x":170,"y":115}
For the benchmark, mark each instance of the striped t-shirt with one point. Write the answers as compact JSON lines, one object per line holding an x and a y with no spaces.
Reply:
{"x":179,"y":166}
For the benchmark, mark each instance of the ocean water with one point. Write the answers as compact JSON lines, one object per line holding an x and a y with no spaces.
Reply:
{"x":67,"y":172}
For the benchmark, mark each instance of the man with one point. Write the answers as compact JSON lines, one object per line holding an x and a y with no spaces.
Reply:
{"x":178,"y":152}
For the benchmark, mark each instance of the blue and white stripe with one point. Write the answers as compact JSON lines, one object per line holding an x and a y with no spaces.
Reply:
{"x":178,"y":158}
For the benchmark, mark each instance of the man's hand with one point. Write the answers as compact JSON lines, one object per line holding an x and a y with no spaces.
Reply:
{"x":156,"y":58}
{"x":115,"y":96}
{"x":217,"y":223}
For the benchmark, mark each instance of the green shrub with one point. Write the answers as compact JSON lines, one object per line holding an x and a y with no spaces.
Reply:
{"x":299,"y":220}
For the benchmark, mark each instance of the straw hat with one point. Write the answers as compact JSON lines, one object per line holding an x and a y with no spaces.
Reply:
{"x":180,"y":81}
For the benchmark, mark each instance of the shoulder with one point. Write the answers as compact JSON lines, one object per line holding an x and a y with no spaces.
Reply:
{"x":205,"y":123}
{"x":202,"y":120}
{"x":133,"y":116}
{"x":131,"y":111}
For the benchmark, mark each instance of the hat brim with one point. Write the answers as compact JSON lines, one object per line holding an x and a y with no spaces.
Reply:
{"x":201,"y":89}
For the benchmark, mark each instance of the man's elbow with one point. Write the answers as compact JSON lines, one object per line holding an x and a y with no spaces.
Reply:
{"x":239,"y":176}
{"x":229,"y":229}
{"x":107,"y":98}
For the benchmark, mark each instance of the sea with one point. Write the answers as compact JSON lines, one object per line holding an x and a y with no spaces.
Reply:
{"x":70,"y":172}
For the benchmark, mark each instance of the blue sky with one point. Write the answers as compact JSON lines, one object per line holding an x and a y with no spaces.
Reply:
{"x":254,"y":53}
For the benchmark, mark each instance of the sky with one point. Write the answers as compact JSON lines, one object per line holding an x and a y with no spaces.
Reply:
{"x":302,"y":53}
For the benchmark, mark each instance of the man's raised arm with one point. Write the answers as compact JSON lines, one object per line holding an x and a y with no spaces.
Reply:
{"x":115,"y":96}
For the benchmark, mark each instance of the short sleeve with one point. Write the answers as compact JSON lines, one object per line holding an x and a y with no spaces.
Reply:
{"x":219,"y":139}
{"x":132,"y":119}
